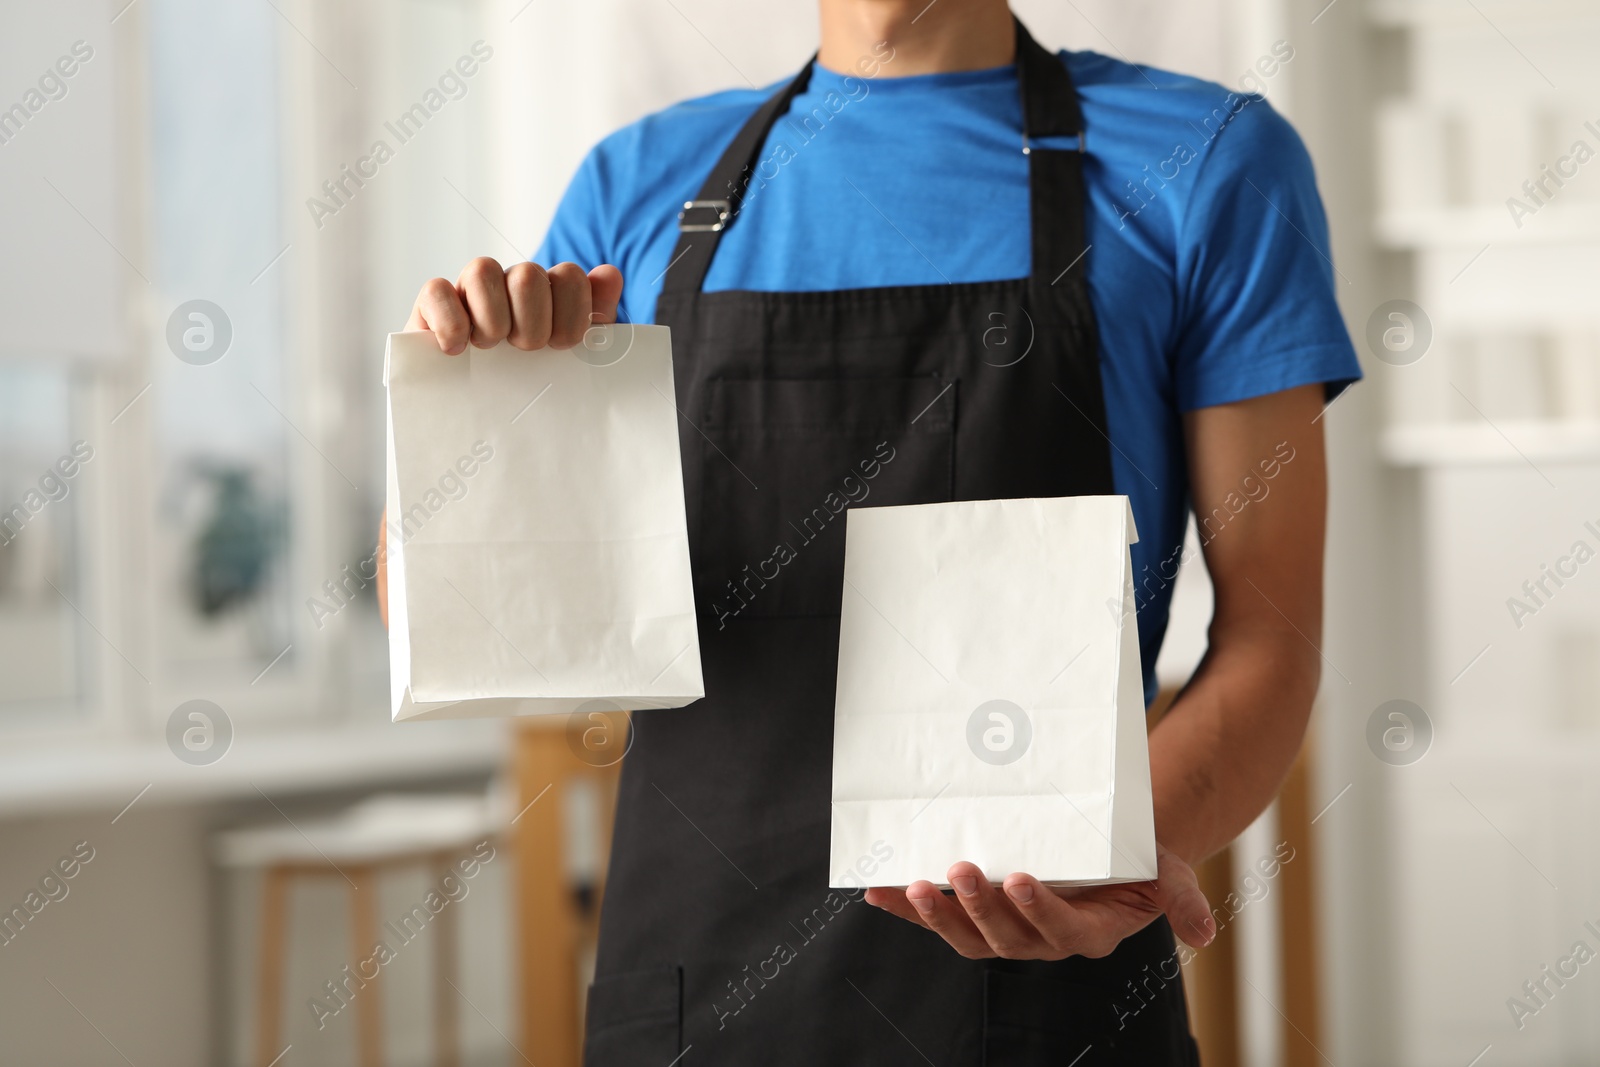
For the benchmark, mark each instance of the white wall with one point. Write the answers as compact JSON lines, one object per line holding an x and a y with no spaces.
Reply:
{"x":127,"y":947}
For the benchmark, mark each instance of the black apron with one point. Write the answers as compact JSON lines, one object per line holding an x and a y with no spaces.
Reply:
{"x":720,"y":941}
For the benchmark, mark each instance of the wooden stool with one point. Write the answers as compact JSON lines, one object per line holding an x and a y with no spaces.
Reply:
{"x":550,"y":755}
{"x":357,"y":846}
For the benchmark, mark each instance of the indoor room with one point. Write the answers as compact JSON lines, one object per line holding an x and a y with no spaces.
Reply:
{"x":1189,"y":411}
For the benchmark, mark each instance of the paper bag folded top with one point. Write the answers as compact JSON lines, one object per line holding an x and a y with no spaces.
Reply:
{"x":990,"y":705}
{"x":538,"y":554}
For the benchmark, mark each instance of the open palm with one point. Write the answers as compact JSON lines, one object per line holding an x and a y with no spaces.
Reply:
{"x":1027,"y":920}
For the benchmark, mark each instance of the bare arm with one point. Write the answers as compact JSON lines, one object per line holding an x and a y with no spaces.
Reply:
{"x":1219,"y":755}
{"x":1221,"y":752}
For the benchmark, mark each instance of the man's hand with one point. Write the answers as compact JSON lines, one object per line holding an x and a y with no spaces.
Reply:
{"x":525,"y":304}
{"x":1032,"y":921}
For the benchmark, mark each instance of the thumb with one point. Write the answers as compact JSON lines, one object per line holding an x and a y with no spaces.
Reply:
{"x":1185,"y":905}
{"x":605,"y":289}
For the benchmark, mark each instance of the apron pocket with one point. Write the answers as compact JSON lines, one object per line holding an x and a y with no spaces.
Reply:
{"x":635,"y":1017}
{"x":783,"y":461}
{"x":1031,"y":1019}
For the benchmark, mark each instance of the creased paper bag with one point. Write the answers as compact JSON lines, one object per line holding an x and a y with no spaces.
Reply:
{"x":990,"y":705}
{"x":538,"y":555}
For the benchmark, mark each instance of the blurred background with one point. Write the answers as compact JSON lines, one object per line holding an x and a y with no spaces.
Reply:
{"x":204,"y":810}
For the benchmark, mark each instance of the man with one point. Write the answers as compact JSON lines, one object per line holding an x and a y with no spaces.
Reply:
{"x":993,"y":271}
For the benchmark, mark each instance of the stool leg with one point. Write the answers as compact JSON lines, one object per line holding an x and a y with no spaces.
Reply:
{"x":547,"y":931}
{"x":269,"y":991}
{"x":364,"y":935}
{"x":447,"y":1026}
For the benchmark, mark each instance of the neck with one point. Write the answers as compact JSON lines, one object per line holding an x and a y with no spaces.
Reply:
{"x":921,"y":37}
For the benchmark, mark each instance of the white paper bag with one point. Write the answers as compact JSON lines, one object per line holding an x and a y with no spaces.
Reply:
{"x":538,"y":555}
{"x":990,"y":705}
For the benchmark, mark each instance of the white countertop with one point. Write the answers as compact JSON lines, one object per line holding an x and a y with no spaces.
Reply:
{"x":50,"y":777}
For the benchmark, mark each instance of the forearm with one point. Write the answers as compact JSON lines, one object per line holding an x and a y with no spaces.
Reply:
{"x":1221,"y":752}
{"x":383,"y":567}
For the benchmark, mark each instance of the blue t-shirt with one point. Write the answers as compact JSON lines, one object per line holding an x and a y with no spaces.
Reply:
{"x":1208,"y":252}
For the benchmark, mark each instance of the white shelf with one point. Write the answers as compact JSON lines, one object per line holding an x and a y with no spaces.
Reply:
{"x":1466,"y":443}
{"x":1413,"y":14}
{"x":1473,"y":227}
{"x":78,"y":775}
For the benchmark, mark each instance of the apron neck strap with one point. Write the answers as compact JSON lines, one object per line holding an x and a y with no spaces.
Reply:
{"x":1049,"y":109}
{"x":1049,"y":102}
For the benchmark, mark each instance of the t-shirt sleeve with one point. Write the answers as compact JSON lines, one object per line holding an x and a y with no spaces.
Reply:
{"x":1258,"y":311}
{"x":579,"y":232}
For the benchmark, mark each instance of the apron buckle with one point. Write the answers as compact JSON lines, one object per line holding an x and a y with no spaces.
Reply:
{"x":1027,"y":148}
{"x":722,"y":208}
